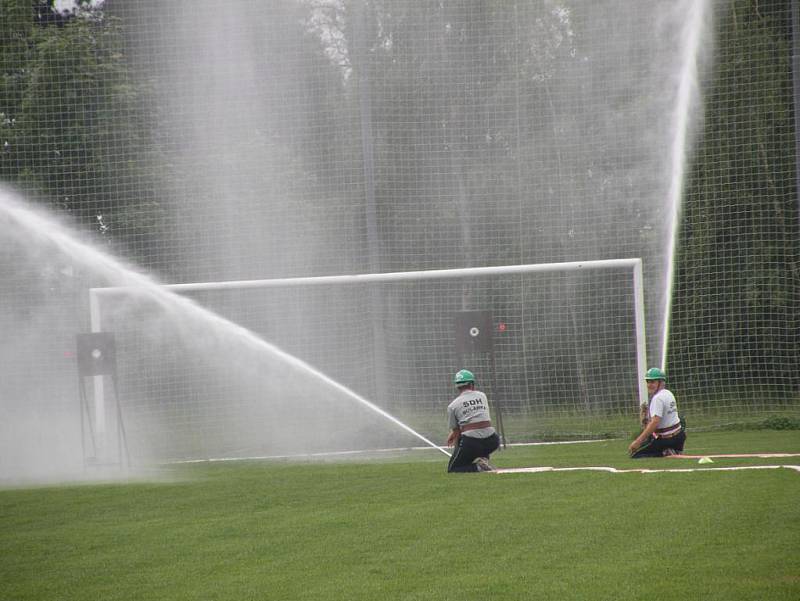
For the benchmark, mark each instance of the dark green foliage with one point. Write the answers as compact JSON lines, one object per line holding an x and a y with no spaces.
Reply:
{"x":781,"y":423}
{"x":76,"y":131}
{"x":774,"y":423}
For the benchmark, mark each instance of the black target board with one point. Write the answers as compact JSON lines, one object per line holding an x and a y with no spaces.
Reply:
{"x":96,"y":354}
{"x":473,"y":331}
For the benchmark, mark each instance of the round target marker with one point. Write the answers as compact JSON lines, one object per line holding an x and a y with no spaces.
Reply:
{"x":473,"y":331}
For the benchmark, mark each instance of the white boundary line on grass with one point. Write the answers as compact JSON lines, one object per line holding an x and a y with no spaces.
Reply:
{"x":356,"y":452}
{"x":526,"y":470}
{"x":613,"y":470}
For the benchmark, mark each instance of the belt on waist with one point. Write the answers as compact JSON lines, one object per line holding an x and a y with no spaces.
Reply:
{"x":475,"y":426}
{"x":668,"y":432}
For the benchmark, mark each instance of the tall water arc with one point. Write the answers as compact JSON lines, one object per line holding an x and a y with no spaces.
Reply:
{"x":687,"y":114}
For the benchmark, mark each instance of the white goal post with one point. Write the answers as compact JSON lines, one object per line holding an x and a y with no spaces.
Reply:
{"x":420,"y":296}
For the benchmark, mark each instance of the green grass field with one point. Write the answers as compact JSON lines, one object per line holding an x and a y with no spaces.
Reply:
{"x":400,"y":528}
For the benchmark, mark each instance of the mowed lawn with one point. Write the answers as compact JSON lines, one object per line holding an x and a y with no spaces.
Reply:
{"x":400,"y":528}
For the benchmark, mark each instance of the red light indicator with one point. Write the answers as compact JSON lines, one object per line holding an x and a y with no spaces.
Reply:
{"x":501,"y":326}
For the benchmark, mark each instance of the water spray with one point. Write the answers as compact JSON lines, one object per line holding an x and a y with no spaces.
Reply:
{"x":687,"y":95}
{"x":36,"y":225}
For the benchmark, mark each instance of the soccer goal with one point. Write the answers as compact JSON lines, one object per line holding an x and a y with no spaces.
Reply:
{"x":559,"y":348}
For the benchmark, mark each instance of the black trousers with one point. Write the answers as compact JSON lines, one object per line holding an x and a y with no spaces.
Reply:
{"x":654,"y":447}
{"x":468,"y":449}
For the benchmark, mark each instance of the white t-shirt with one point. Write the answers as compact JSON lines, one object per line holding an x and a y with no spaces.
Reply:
{"x":469,"y":407}
{"x":663,"y":405}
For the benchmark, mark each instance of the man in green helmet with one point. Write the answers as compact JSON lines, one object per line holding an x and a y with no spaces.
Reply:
{"x":471,"y":432}
{"x":663,"y":432}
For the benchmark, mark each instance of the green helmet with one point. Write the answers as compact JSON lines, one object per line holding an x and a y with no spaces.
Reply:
{"x":655,"y":373}
{"x":464,"y":376}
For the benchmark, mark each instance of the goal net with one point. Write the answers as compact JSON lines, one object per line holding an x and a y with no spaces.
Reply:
{"x":559,"y":348}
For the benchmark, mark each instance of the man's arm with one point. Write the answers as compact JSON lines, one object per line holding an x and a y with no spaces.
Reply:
{"x":453,"y":438}
{"x":651,"y":427}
